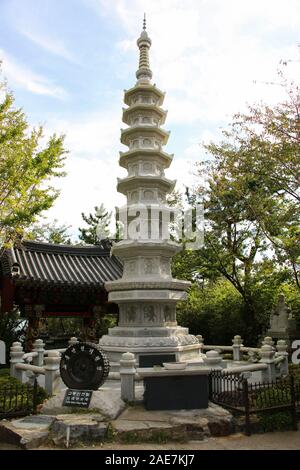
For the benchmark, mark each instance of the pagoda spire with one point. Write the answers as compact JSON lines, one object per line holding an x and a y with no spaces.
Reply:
{"x":144,"y":72}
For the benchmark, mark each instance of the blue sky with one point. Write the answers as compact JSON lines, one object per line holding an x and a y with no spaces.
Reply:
{"x":68,"y":62}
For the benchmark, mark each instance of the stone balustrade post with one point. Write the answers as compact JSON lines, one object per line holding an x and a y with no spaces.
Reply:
{"x":201,"y":342}
{"x":16,"y":357}
{"x":73,"y":341}
{"x":38,"y":346}
{"x":267,"y":355}
{"x":282,"y":347}
{"x":127,"y":373}
{"x":268,"y":340}
{"x":237,"y":343}
{"x":51,"y":366}
{"x":2,"y":352}
{"x":213,"y":359}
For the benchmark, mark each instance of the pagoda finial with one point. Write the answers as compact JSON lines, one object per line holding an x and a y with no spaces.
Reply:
{"x":144,"y":43}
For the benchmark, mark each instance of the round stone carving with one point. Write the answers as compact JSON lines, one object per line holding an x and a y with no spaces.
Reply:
{"x":84,"y":366}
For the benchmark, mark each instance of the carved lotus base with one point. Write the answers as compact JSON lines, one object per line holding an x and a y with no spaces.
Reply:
{"x":141,"y":341}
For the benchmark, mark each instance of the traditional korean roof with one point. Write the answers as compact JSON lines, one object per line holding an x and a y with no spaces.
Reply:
{"x":48,"y":264}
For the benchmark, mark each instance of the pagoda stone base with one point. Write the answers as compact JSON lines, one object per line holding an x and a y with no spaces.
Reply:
{"x":156,"y":341}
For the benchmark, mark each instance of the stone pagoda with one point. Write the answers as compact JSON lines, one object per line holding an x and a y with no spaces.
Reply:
{"x":147,"y":293}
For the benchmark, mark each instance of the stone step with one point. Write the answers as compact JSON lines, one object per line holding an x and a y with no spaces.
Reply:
{"x":28,"y":433}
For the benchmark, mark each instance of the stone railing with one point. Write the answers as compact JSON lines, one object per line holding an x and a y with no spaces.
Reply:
{"x":237,"y":348}
{"x":39,"y":362}
{"x":271,"y":363}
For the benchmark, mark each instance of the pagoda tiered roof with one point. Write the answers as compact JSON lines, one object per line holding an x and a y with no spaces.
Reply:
{"x":125,"y":157}
{"x":144,"y":107}
{"x":143,"y":131}
{"x":142,"y":87}
{"x":135,"y":182}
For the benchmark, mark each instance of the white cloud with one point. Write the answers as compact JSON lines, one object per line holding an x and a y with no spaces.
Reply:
{"x":89,"y":182}
{"x":91,"y":166}
{"x":207,"y":54}
{"x":25,"y":78}
{"x":50,"y":44}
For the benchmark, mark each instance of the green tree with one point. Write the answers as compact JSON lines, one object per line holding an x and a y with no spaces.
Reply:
{"x":251,"y":202}
{"x":234,"y":241}
{"x":261,"y":154}
{"x":98,"y":226}
{"x":49,"y":232}
{"x":26,"y":166}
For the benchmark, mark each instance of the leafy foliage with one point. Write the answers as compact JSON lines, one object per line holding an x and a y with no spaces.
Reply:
{"x":258,"y":167}
{"x":12,"y":328}
{"x":25,"y":169}
{"x":213,"y":311}
{"x":280,"y":421}
{"x":103,"y":323}
{"x":49,"y":232}
{"x":14,"y":400}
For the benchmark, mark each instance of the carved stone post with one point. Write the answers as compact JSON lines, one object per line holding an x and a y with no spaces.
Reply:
{"x":267,"y":354}
{"x":268,"y":340}
{"x":281,"y":347}
{"x":213,"y":359}
{"x":16,"y":357}
{"x":236,"y":345}
{"x":201,"y":342}
{"x":38,"y":346}
{"x":51,"y":367}
{"x":2,"y":352}
{"x":73,"y":341}
{"x":127,"y":373}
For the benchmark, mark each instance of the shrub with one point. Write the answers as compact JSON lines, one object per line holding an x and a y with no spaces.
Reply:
{"x":213,"y":311}
{"x":280,"y":421}
{"x":12,"y":328}
{"x":12,"y":399}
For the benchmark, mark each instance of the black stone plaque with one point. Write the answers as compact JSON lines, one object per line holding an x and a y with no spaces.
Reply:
{"x":184,"y":392}
{"x":79,"y":398}
{"x":150,"y":360}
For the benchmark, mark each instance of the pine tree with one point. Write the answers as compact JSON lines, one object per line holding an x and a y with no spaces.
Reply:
{"x":98,"y":226}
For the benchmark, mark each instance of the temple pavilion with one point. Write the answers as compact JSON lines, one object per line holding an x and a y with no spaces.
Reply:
{"x":57,"y":281}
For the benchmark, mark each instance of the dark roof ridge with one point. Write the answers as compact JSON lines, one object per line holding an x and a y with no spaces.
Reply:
{"x":46,"y":247}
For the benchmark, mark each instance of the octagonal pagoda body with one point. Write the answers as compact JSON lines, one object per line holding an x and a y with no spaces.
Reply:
{"x":147,"y":294}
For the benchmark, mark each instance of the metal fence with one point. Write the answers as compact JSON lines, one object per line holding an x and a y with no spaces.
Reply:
{"x":18,"y":400}
{"x":233,"y":391}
